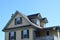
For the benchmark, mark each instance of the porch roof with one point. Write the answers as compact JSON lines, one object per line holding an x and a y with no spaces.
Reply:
{"x":50,"y":28}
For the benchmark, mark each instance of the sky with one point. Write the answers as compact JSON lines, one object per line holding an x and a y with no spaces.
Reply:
{"x":47,"y":8}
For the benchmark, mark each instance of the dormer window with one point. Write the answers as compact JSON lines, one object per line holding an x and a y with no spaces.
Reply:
{"x":18,"y":20}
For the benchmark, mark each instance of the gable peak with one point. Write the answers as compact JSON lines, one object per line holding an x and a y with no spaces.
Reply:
{"x":17,"y":11}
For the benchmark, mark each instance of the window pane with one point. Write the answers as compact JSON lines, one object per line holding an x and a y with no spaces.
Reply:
{"x":12,"y":33}
{"x":18,"y":20}
{"x":25,"y":32}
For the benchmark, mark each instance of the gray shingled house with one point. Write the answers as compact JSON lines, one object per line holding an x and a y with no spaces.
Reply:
{"x":31,"y":27}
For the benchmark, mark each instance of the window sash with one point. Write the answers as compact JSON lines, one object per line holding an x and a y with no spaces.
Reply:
{"x":25,"y":35}
{"x":25,"y":32}
{"x":18,"y":20}
{"x":12,"y":37}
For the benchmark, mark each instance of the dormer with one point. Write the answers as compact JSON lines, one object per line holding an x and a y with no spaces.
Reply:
{"x":38,"y":20}
{"x":43,"y":21}
{"x":35,"y":18}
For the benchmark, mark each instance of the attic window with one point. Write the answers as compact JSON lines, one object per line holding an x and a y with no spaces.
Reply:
{"x":18,"y":20}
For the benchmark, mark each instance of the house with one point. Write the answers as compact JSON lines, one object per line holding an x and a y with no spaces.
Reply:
{"x":31,"y":27}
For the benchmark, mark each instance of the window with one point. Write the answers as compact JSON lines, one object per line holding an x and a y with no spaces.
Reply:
{"x":38,"y":22}
{"x":25,"y":33}
{"x":37,"y":33}
{"x":12,"y":35}
{"x":18,"y":20}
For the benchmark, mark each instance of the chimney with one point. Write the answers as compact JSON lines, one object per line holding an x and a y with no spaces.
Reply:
{"x":12,"y":15}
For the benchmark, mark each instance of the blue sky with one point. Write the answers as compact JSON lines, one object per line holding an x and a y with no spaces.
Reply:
{"x":47,"y":8}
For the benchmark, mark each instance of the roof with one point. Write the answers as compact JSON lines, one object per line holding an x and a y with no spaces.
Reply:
{"x":26,"y":17}
{"x":53,"y":27}
{"x":34,"y":16}
{"x":16,"y":27}
{"x":49,"y":28}
{"x":31,"y":24}
{"x":44,"y":20}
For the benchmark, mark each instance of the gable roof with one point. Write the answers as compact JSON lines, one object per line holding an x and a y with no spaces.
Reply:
{"x":31,"y":24}
{"x":44,"y":19}
{"x":26,"y":17}
{"x":13,"y":15}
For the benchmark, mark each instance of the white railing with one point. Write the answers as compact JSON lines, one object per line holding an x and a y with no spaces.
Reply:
{"x":45,"y":38}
